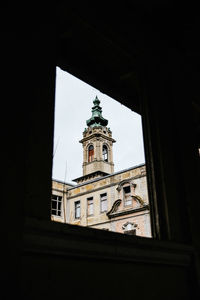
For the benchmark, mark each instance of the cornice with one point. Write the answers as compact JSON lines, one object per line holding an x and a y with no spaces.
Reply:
{"x":97,"y":135}
{"x":99,"y":188}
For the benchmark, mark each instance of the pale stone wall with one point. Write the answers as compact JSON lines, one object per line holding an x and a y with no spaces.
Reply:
{"x":137,"y":174}
{"x":137,"y":213}
{"x":138,"y":219}
{"x":97,"y":217}
{"x":100,"y":165}
{"x":111,"y":185}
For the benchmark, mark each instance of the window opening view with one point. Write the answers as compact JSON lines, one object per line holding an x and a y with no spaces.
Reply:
{"x":99,"y":173}
{"x":56,"y":204}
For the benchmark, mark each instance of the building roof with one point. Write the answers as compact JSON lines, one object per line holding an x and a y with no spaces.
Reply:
{"x":90,"y":175}
{"x":67,"y":183}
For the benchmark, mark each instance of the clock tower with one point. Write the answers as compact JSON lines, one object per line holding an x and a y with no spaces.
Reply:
{"x":97,"y":144}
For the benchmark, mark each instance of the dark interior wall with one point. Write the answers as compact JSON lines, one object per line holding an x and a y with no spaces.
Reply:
{"x":27,"y":86}
{"x":98,"y":284}
{"x":160,"y":79}
{"x":98,"y":264}
{"x":175,"y":156}
{"x":170,"y":75}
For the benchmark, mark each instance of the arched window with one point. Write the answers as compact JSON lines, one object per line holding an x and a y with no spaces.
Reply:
{"x":90,"y":153}
{"x":105,"y":153}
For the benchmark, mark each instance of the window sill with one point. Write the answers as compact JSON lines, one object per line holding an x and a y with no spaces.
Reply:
{"x":52,"y":238}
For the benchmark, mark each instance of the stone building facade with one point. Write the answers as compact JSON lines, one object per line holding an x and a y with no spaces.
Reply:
{"x":102,"y":198}
{"x":58,"y":200}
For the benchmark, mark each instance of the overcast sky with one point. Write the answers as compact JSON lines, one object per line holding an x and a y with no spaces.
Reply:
{"x":74,"y":101}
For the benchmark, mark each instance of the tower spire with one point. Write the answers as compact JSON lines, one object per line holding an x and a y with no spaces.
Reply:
{"x":96,"y":119}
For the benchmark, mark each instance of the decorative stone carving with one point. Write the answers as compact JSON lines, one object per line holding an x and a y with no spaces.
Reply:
{"x":120,"y":185}
{"x":134,"y":225}
{"x":114,"y":207}
{"x":139,"y":199}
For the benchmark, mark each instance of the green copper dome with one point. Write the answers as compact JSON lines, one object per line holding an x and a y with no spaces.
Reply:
{"x":96,"y":119}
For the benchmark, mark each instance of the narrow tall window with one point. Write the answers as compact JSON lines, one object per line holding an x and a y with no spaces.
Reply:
{"x":77,"y":210}
{"x":90,"y":206}
{"x":90,"y":153}
{"x":56,"y":203}
{"x":103,"y":198}
{"x":127,"y":195}
{"x":105,"y":153}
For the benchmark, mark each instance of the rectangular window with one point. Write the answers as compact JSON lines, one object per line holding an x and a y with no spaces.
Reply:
{"x":90,"y":206}
{"x":77,"y":210}
{"x":127,"y":196}
{"x":56,"y":204}
{"x":103,"y":198}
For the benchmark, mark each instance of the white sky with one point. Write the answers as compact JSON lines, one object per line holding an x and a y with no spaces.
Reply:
{"x":74,"y":101}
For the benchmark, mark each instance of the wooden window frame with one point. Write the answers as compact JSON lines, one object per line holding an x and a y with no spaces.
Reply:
{"x":103,"y":200}
{"x":76,"y":203}
{"x":58,"y":201}
{"x":88,"y":210}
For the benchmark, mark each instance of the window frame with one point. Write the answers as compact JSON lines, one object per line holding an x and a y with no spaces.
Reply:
{"x":158,"y":213}
{"x":105,"y":201}
{"x":127,"y":196}
{"x":91,"y":157}
{"x":90,"y":199}
{"x":105,"y":154}
{"x":75,"y":210}
{"x":58,"y":202}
